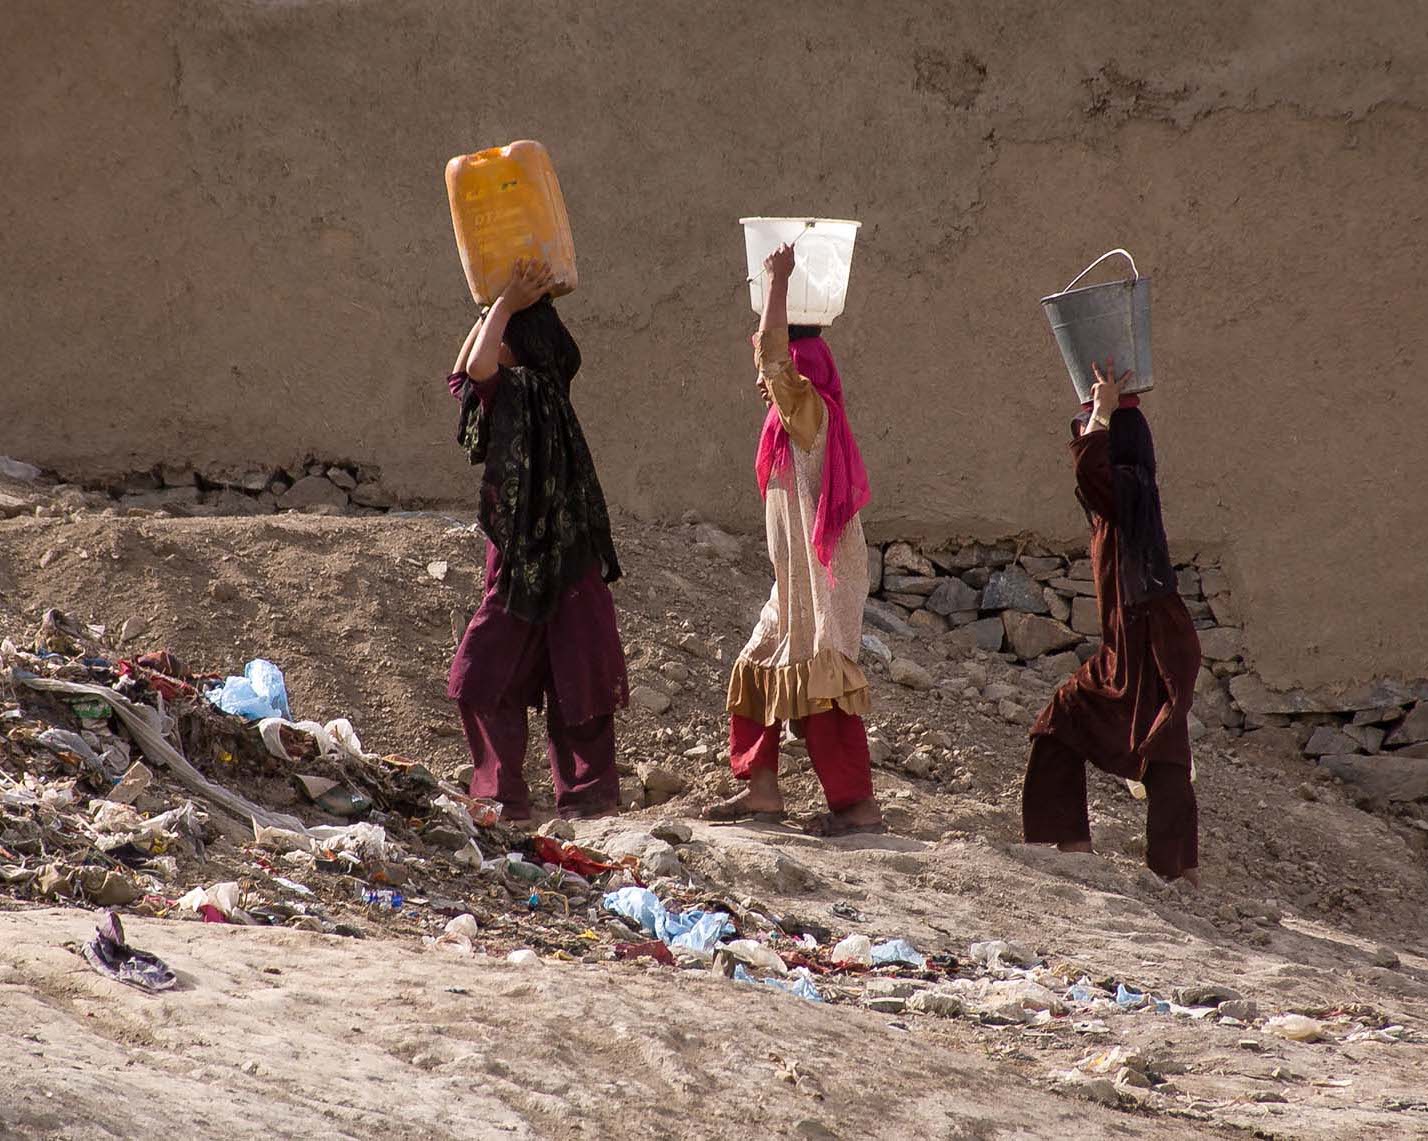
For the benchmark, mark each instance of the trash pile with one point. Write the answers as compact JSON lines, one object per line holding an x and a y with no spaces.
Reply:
{"x":138,"y":783}
{"x":119,"y":782}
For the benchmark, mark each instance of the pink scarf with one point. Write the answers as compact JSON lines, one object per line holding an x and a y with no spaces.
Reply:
{"x":845,"y":489}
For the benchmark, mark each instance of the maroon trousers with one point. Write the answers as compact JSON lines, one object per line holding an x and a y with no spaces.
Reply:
{"x":573,"y":665}
{"x":582,"y":760}
{"x":837,"y":746}
{"x":1053,"y":806}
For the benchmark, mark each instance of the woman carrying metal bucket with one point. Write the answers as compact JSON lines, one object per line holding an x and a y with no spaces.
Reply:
{"x":1126,"y":710}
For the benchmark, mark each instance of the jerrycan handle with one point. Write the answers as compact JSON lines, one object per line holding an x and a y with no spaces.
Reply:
{"x":1109,"y":253}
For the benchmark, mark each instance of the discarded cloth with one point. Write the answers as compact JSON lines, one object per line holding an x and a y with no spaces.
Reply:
{"x":573,"y":858}
{"x":109,"y":955}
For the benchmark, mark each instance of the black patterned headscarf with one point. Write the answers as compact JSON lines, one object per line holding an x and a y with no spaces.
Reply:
{"x":541,"y":501}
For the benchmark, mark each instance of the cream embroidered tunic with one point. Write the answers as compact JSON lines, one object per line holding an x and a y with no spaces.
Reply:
{"x":803,"y":656}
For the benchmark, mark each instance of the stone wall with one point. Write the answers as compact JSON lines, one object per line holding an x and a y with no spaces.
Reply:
{"x":1035,"y":606}
{"x":227,"y":244}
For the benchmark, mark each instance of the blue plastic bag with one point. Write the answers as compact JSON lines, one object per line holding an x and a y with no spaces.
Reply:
{"x":260,"y":692}
{"x":1130,"y":999}
{"x":798,"y":982}
{"x":636,"y":903}
{"x":707,"y":928}
{"x":695,"y":929}
{"x":898,"y":951}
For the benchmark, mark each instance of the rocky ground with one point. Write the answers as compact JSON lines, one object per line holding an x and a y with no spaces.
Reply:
{"x":1312,"y":904}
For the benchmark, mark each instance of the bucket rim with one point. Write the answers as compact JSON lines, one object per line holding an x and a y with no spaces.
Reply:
{"x":803,"y":218}
{"x":1131,"y":281}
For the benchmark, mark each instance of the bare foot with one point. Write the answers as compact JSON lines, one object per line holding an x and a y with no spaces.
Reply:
{"x":589,"y":813}
{"x":864,"y":812}
{"x":865,"y":816}
{"x":1192,"y":877}
{"x":1075,"y":846}
{"x":761,"y":798}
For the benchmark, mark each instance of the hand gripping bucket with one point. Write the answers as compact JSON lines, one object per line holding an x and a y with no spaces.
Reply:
{"x":823,"y":249}
{"x":1098,"y":322}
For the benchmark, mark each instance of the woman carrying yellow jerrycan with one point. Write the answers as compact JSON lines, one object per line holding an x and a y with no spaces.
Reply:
{"x":545,"y":633}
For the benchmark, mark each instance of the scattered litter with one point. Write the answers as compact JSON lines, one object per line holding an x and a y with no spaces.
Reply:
{"x":1295,"y":1027}
{"x":996,"y":953}
{"x":799,"y":982}
{"x":898,"y":952}
{"x":854,"y":950}
{"x":259,"y":693}
{"x":384,"y":898}
{"x":220,"y":903}
{"x":755,"y":955}
{"x":693,"y":930}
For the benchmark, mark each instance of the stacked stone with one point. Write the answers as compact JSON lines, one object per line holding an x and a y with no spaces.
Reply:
{"x":1374,"y":737}
{"x":1028,"y":601}
{"x":1033,"y":605}
{"x":317,"y":487}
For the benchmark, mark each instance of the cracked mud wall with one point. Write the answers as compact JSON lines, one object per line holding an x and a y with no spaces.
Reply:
{"x":226,"y":240}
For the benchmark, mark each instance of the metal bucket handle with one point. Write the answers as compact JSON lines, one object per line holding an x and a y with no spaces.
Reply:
{"x":808,"y":225}
{"x":1109,"y":253}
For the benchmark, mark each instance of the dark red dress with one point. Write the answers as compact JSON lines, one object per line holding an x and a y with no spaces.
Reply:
{"x":1128,"y":706}
{"x":1126,"y":710}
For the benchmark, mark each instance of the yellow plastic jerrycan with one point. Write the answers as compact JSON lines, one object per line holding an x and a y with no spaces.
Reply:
{"x":506,"y":204}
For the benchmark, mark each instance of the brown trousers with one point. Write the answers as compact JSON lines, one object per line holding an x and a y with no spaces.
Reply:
{"x":1053,"y":807}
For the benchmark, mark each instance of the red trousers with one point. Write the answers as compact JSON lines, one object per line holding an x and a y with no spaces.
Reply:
{"x":1053,"y":806}
{"x":837,"y":746}
{"x":582,"y":760}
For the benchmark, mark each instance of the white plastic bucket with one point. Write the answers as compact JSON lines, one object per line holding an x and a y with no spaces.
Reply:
{"x":823,"y":255}
{"x":1097,"y":322}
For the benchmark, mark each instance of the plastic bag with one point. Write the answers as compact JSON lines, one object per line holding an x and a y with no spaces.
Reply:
{"x":220,"y":902}
{"x":259,"y":693}
{"x":464,"y":924}
{"x":899,"y":951}
{"x":695,"y":930}
{"x":799,"y":982}
{"x":1295,"y":1027}
{"x":855,"y":950}
{"x":756,"y":955}
{"x":995,"y":954}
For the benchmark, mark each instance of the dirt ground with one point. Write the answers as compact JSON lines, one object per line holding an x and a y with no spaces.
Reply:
{"x":1311,"y":905}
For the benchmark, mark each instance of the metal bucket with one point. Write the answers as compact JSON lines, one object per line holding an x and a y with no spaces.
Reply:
{"x":1100,"y":322}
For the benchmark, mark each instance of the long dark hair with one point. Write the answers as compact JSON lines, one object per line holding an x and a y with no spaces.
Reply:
{"x":1145,"y":567}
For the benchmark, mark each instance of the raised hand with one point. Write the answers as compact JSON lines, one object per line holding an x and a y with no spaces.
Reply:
{"x":1106,"y":393}
{"x":779,"y":264}
{"x":531,"y":280}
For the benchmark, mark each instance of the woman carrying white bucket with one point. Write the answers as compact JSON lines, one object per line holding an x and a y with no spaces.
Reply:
{"x":801,"y":664}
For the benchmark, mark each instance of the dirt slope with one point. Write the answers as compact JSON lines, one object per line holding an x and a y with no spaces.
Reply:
{"x":364,"y":1038}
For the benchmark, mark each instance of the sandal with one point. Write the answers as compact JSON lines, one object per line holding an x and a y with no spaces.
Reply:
{"x":732,"y":812}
